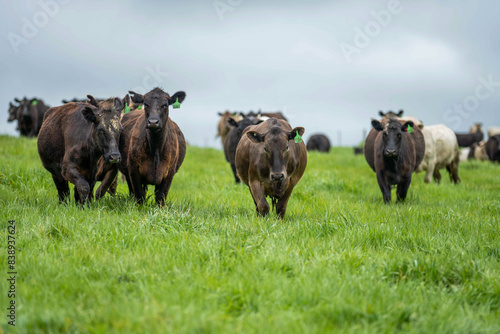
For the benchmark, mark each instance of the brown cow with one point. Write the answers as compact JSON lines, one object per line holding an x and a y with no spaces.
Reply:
{"x":223,"y":127}
{"x":152,"y":145}
{"x":394,"y":152}
{"x":73,"y":138}
{"x":271,"y":163}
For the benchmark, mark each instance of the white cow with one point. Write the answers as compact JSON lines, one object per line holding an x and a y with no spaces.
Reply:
{"x":441,"y":150}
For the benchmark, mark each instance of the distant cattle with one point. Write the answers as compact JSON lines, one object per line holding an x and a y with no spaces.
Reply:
{"x":152,"y":145}
{"x":441,"y":150}
{"x":264,"y":115}
{"x":73,"y":138}
{"x":223,"y":126}
{"x":271,"y":159}
{"x":493,"y":131}
{"x":358,"y":150}
{"x":29,"y":115}
{"x":75,"y":99}
{"x":467,"y":139}
{"x":394,"y":149}
{"x":493,"y":148}
{"x":478,"y":151}
{"x":319,"y":143}
{"x":234,"y":137}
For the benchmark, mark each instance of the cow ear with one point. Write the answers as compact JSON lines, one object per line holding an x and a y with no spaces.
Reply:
{"x":118,"y":104}
{"x":232,"y":122}
{"x":377,"y":125}
{"x":404,"y":128}
{"x":381,"y":113}
{"x":89,"y":114}
{"x":91,"y":100}
{"x":65,"y":101}
{"x":296,"y":131}
{"x":255,"y":137}
{"x":400,"y":113}
{"x":136,"y":98}
{"x":126,"y":100}
{"x":179,"y":95}
{"x":17,"y":100}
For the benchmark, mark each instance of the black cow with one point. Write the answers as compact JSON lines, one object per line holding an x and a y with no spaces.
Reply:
{"x":319,"y":143}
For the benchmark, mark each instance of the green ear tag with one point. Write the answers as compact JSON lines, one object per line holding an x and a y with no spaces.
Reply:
{"x":298,"y":138}
{"x":139,"y":107}
{"x":177,"y":104}
{"x":409,"y":129}
{"x":127,"y":109}
{"x":34,"y":102}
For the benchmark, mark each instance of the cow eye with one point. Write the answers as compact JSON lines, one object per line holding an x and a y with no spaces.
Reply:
{"x":146,"y":105}
{"x":265,"y":150}
{"x":399,"y":135}
{"x":287,"y":148}
{"x":165,"y":105}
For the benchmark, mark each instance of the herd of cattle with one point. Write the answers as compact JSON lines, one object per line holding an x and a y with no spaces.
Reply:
{"x":85,"y":141}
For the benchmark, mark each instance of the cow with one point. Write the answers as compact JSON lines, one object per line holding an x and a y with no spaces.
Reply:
{"x":12,"y":112}
{"x":493,"y":148}
{"x":234,"y":137}
{"x":223,"y":126}
{"x":394,"y":149}
{"x":467,"y":139}
{"x":152,"y":145}
{"x":271,"y":159}
{"x":29,"y":116}
{"x":72,"y":139}
{"x":266,"y":115}
{"x":441,"y":150}
{"x":319,"y":143}
{"x":358,"y":150}
{"x":478,"y":151}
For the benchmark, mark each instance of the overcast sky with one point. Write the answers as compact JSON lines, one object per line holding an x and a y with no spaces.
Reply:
{"x":328,"y":65}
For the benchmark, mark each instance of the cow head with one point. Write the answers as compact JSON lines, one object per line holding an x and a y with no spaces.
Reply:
{"x":243,"y":123}
{"x":105,"y":116}
{"x":274,"y":150}
{"x":12,"y":112}
{"x":392,"y":134}
{"x":156,"y":104}
{"x":24,"y":107}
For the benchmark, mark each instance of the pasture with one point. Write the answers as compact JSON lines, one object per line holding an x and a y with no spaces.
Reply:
{"x":341,"y":260}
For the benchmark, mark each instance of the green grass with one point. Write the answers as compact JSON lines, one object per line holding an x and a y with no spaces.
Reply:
{"x":340,"y":261}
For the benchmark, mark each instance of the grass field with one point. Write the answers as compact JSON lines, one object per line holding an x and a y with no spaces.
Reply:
{"x":340,"y":261}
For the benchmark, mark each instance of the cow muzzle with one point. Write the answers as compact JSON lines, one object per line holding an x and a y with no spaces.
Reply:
{"x":114,"y":158}
{"x":154,"y":124}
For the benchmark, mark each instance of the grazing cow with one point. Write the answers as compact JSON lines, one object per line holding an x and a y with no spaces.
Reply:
{"x":73,"y":138}
{"x":233,"y":138}
{"x":478,"y":151}
{"x":441,"y":150}
{"x":319,"y":143}
{"x":223,"y":127}
{"x":493,"y":131}
{"x":394,"y":152}
{"x":152,"y":145}
{"x":493,"y":148}
{"x":271,"y":159}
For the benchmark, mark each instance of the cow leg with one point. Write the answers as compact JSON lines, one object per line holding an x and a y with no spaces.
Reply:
{"x":437,"y":175}
{"x":384,"y":187}
{"x":236,"y":178}
{"x":137,"y":186}
{"x":283,"y":202}
{"x":82,"y":187}
{"x":429,"y":172}
{"x":108,"y":181}
{"x":161,"y":191}
{"x":62,"y":187}
{"x":260,"y":198}
{"x":403,"y":187}
{"x":453,"y":169}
